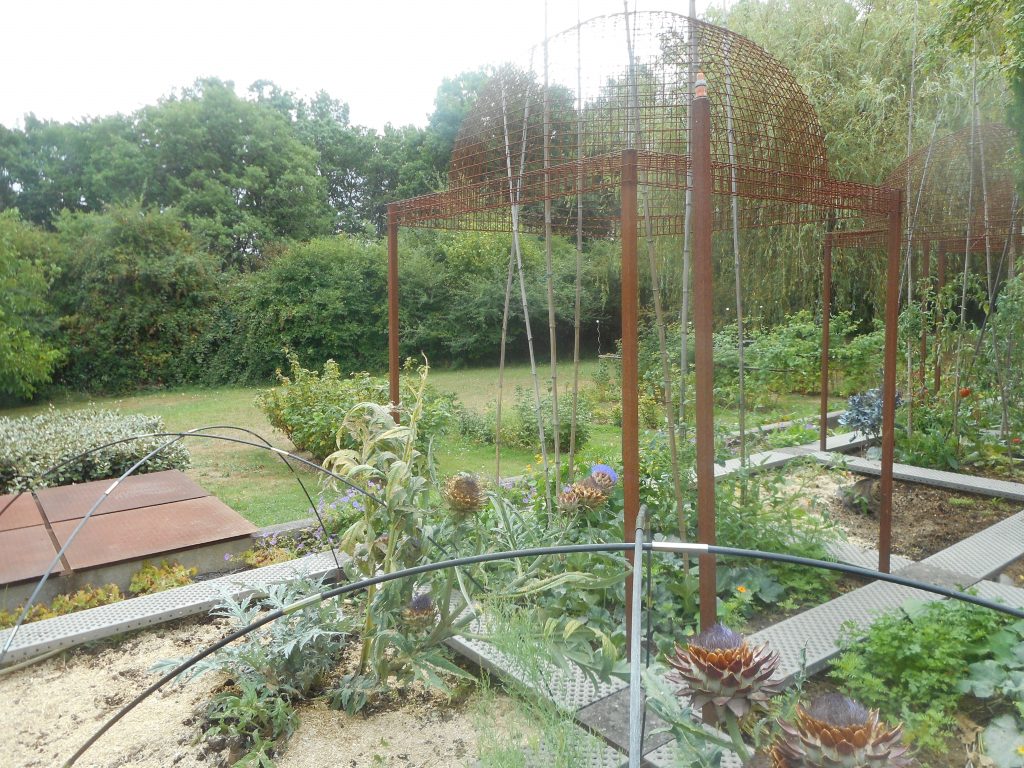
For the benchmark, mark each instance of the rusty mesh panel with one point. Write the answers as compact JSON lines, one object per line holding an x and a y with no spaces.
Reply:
{"x":581,"y":92}
{"x":958,"y":187}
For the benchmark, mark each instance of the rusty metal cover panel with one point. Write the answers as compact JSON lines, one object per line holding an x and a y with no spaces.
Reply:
{"x":149,"y":532}
{"x":73,"y":502}
{"x":18,"y":512}
{"x":25,"y":553}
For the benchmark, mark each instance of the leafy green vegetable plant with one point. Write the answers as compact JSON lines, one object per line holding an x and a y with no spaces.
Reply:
{"x":156,"y":578}
{"x":271,"y":668}
{"x":908,"y":664}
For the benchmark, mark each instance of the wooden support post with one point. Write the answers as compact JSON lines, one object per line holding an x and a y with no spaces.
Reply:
{"x":826,"y":317}
{"x":941,"y":269}
{"x":892,"y":280}
{"x":700,"y":138}
{"x":630,"y":364}
{"x":926,"y":273}
{"x":393,"y":362}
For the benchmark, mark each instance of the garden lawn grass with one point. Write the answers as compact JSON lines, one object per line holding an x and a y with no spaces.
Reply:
{"x":476,"y":388}
{"x":262,"y":489}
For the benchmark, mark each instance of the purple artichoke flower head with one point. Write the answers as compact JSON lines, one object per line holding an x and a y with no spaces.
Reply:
{"x":419,"y":614}
{"x":717,"y":638}
{"x":604,"y":469}
{"x":421,"y":603}
{"x":838,"y":710}
{"x":719,"y":668}
{"x":837,"y":731}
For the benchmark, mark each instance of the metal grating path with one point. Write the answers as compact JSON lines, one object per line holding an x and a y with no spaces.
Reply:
{"x":983,"y":486}
{"x":41,"y":637}
{"x":986,"y":552}
{"x":569,"y":688}
{"x":845,"y":552}
{"x":807,"y":641}
{"x":1001,"y":593}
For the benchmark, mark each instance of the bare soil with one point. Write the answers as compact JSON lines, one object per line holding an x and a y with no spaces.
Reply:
{"x":925,"y":520}
{"x":52,"y":707}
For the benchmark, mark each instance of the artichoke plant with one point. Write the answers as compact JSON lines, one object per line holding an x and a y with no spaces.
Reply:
{"x":464,"y":493}
{"x":837,"y":732}
{"x":420,"y":614}
{"x":603,"y":476}
{"x":719,"y":668}
{"x":590,"y":495}
{"x":569,"y":500}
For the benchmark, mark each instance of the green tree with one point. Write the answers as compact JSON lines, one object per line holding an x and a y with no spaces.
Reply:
{"x":132,"y":289}
{"x":454,"y":101}
{"x":996,"y":26}
{"x":234,"y":169}
{"x":27,"y":322}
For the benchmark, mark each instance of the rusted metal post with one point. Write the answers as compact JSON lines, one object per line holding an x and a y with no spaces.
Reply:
{"x":700,"y":138}
{"x":393,"y":362}
{"x":826,"y":312}
{"x":926,"y":274}
{"x":630,"y":364}
{"x":892,"y":296}
{"x":941,"y":269}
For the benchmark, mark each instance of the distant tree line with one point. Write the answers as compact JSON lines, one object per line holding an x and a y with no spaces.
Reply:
{"x":195,"y":239}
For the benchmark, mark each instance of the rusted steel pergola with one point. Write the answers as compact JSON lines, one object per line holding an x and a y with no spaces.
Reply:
{"x":605,"y":131}
{"x":960,"y":199}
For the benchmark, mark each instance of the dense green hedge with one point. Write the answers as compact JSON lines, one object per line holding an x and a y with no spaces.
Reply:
{"x":131,"y":293}
{"x":31,"y":445}
{"x":324,"y":300}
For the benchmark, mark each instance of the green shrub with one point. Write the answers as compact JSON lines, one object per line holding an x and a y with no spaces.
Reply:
{"x":32,"y":444}
{"x":156,"y":578}
{"x":310,"y":406}
{"x":519,"y":423}
{"x":87,"y":597}
{"x":131,"y":292}
{"x":27,"y":353}
{"x":325,"y":299}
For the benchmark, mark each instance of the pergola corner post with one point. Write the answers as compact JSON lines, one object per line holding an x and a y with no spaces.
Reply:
{"x":892,"y":283}
{"x":826,"y":313}
{"x":926,"y":274}
{"x":630,"y":361}
{"x":940,"y":268}
{"x":700,"y":144}
{"x":393,"y":361}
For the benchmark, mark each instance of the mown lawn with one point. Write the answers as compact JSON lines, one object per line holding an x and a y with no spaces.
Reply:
{"x":259,"y":486}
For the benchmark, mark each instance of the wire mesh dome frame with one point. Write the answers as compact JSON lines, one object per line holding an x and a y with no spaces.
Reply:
{"x":581,"y":88}
{"x":960,"y":192}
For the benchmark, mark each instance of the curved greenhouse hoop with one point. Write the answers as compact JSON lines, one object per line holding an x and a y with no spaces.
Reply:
{"x":177,"y":437}
{"x":658,"y":546}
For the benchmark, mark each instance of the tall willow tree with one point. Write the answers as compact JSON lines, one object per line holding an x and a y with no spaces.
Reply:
{"x":854,"y":62}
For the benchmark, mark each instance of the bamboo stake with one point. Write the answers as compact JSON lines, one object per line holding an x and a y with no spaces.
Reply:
{"x":514,"y":199}
{"x":549,"y":276}
{"x":579,"y":253}
{"x":909,"y":220}
{"x":684,"y":310}
{"x":967,"y":262}
{"x":731,"y":135}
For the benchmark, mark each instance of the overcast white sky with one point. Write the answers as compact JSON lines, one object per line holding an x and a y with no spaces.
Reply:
{"x":66,"y":60}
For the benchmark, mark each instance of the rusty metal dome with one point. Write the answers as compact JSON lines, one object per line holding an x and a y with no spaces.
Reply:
{"x":624,"y":81}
